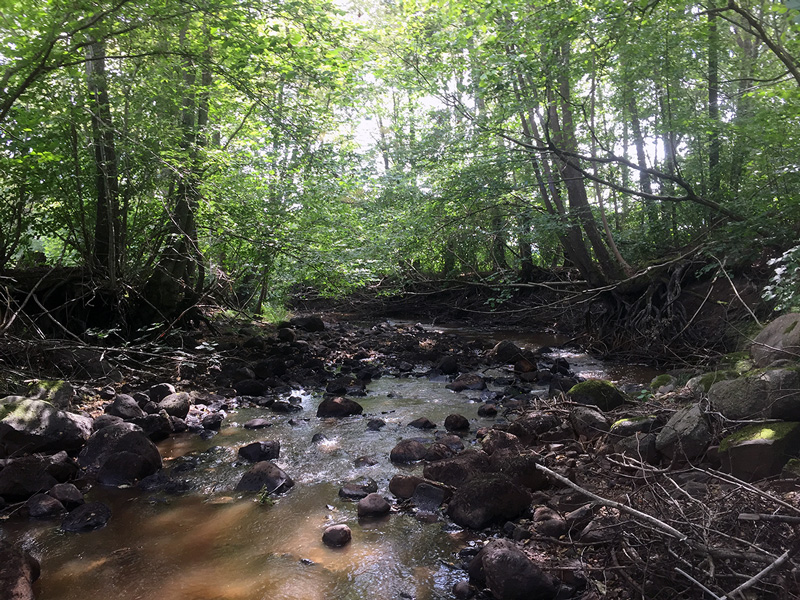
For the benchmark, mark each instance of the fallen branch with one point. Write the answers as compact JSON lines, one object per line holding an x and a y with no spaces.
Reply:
{"x":777,"y":563}
{"x":763,"y":517}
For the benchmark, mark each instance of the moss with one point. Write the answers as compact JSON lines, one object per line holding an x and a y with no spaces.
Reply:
{"x":790,"y":328}
{"x":709,"y":379}
{"x":759,"y":431}
{"x":598,"y":392}
{"x":661,"y":380}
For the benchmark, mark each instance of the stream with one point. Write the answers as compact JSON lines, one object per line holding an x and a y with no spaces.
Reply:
{"x":216,"y":544}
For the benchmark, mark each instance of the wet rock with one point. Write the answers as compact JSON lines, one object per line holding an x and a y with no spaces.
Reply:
{"x":28,"y":426}
{"x":365,"y":461}
{"x":157,"y":427}
{"x":67,"y":494}
{"x":132,"y":452}
{"x":213,"y":421}
{"x":561,"y":384}
{"x":257,"y":424}
{"x":454,"y":442}
{"x":487,"y":499}
{"x":43,"y":506}
{"x":506,"y":352}
{"x":260,"y":451}
{"x":779,"y":339}
{"x":499,"y":440}
{"x":125,"y":407}
{"x":459,"y":469}
{"x":597,"y":392}
{"x":438,"y":451}
{"x":358,"y":489}
{"x":408,"y":451}
{"x":487,"y":411}
{"x":422,"y":423}
{"x":163,"y":482}
{"x":403,"y":486}
{"x":467,"y":381}
{"x":336,"y":536}
{"x":462,"y":590}
{"x":346,"y":385}
{"x":176,"y":405}
{"x":448,"y":365}
{"x":265,"y":476}
{"x":24,"y":477}
{"x":160,"y":391}
{"x":87,"y":517}
{"x":376,"y":424}
{"x":284,"y":407}
{"x":760,"y":450}
{"x":338,"y":408}
{"x":373,"y":505}
{"x":428,"y":498}
{"x":686,"y":434}
{"x":588,"y":422}
{"x":503,"y":568}
{"x":18,"y":571}
{"x":456,"y":422}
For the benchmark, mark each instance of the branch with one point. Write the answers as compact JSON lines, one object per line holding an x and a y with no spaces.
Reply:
{"x":777,"y":563}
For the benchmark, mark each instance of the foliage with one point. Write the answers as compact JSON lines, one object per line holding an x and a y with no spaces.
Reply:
{"x":783,"y":289}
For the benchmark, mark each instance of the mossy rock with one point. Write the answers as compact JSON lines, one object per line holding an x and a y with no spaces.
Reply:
{"x":631,"y":425}
{"x":779,"y":339}
{"x":702,"y":383}
{"x":665,"y":380}
{"x":597,"y":392}
{"x":760,"y":450}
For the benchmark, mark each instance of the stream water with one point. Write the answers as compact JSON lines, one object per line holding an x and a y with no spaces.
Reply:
{"x":216,"y":544}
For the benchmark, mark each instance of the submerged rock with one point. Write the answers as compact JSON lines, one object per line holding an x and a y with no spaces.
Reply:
{"x":87,"y":517}
{"x":338,"y":408}
{"x":265,"y":476}
{"x":337,"y":536}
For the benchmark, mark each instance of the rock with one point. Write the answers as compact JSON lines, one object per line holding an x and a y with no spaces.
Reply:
{"x":311,"y":324}
{"x":588,"y":422}
{"x":337,"y":536}
{"x":408,"y":451}
{"x":265,"y":476}
{"x":663,"y":384}
{"x":456,"y":423}
{"x":701,"y":384}
{"x":686,"y":434}
{"x":28,"y":426}
{"x":257,"y":424}
{"x":61,"y":466}
{"x":427,"y":497}
{"x":503,"y":568}
{"x":783,"y":393}
{"x":506,"y":352}
{"x":640,"y":446}
{"x":160,"y":391}
{"x":549,"y":523}
{"x":125,"y":407}
{"x":130,"y":451}
{"x":57,"y":392}
{"x":487,"y":411}
{"x":44,"y":506}
{"x":163,"y":482}
{"x":462,"y":590}
{"x":760,"y":450}
{"x":422,"y":423}
{"x":346,"y":385}
{"x":376,"y":424}
{"x":260,"y":451}
{"x":459,"y":469}
{"x":176,"y":405}
{"x":448,"y":365}
{"x":560,"y":384}
{"x":212,"y":421}
{"x":498,"y":440}
{"x":487,"y":499}
{"x":520,"y":468}
{"x":597,"y":392}
{"x":628,"y":426}
{"x":105,"y":420}
{"x":67,"y":494}
{"x":250,"y":387}
{"x":24,"y":477}
{"x":467,"y":381}
{"x":373,"y":505}
{"x":771,"y":394}
{"x":287,"y":335}
{"x":87,"y":517}
{"x":358,"y":489}
{"x":156,"y":427}
{"x":283,"y":406}
{"x":530,"y":425}
{"x":437,"y":451}
{"x":403,"y":486}
{"x":779,"y":339}
{"x":338,"y":408}
{"x":18,"y":571}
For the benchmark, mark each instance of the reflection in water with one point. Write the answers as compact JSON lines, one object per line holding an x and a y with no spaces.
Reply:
{"x":215,"y":544}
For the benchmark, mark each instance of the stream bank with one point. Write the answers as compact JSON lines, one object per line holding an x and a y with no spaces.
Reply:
{"x":191,"y":535}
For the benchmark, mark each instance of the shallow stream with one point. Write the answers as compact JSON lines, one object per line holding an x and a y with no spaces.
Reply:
{"x":216,"y":544}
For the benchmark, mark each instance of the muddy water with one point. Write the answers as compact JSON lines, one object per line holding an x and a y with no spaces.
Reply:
{"x":216,"y":544}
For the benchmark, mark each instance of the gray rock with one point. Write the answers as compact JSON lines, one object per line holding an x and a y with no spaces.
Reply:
{"x":779,"y":339}
{"x":641,"y":446}
{"x":44,"y":506}
{"x":588,"y":422}
{"x":105,"y":420}
{"x":773,"y":394}
{"x":57,"y":392}
{"x":373,"y":505}
{"x":66,"y":493}
{"x":260,"y":451}
{"x":487,"y":499}
{"x":124,"y":407}
{"x":160,"y":391}
{"x":760,"y":450}
{"x":114,"y":440}
{"x":28,"y":426}
{"x":598,"y":392}
{"x":176,"y":405}
{"x":503,"y":568}
{"x":265,"y":476}
{"x":686,"y":434}
{"x":336,"y":536}
{"x":18,"y":571}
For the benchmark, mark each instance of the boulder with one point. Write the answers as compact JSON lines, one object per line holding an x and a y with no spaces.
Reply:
{"x":105,"y":420}
{"x":128,"y":441}
{"x":686,"y":434}
{"x":467,"y":381}
{"x":57,"y":392}
{"x":560,"y":384}
{"x":427,"y":497}
{"x":771,"y":394}
{"x":157,"y":427}
{"x":448,"y":365}
{"x":487,"y":499}
{"x":358,"y":489}
{"x":549,"y":523}
{"x":408,"y":451}
{"x":24,"y":477}
{"x":260,"y":451}
{"x":438,"y":451}
{"x":86,"y":517}
{"x":403,"y":486}
{"x":176,"y":405}
{"x":459,"y":469}
{"x":520,"y":468}
{"x":456,"y":422}
{"x":640,"y":446}
{"x":499,"y":440}
{"x":160,"y":391}
{"x":212,"y":421}
{"x":597,"y":392}
{"x":28,"y":426}
{"x":124,"y":407}
{"x":779,"y":339}
{"x":588,"y":422}
{"x":503,"y":568}
{"x":66,"y":493}
{"x":338,"y":408}
{"x":760,"y":450}
{"x":373,"y":505}
{"x":530,"y":425}
{"x":346,"y":385}
{"x":336,"y":536}
{"x":18,"y":571}
{"x":487,"y":411}
{"x":44,"y":506}
{"x":265,"y":476}
{"x":506,"y":352}
{"x":250,"y":387}
{"x":310,"y":324}
{"x":422,"y":423}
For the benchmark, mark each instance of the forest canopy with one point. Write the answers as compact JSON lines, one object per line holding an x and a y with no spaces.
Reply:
{"x":172,"y":149}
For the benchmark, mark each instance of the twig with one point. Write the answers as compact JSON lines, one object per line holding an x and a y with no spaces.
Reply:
{"x":698,"y":584}
{"x":735,"y":291}
{"x":763,"y":517}
{"x":613,"y":504}
{"x":777,"y":563}
{"x":731,"y":479}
